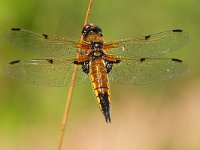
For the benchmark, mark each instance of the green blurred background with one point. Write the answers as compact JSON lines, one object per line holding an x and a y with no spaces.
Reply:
{"x":161,"y":116}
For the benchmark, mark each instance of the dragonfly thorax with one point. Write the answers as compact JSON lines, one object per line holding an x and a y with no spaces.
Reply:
{"x":96,"y":49}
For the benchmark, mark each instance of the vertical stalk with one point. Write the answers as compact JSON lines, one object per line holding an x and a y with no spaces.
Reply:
{"x":71,"y":89}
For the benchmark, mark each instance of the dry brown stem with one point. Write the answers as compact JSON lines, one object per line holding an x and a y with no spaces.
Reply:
{"x":71,"y":89}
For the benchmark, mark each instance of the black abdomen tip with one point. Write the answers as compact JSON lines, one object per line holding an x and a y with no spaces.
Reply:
{"x":107,"y":117}
{"x":105,"y":105}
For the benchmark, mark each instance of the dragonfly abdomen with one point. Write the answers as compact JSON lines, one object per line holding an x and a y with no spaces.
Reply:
{"x":99,"y":78}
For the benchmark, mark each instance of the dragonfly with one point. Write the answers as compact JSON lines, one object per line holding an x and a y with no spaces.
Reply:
{"x":133,"y":60}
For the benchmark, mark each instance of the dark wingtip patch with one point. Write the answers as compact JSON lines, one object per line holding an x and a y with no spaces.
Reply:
{"x":177,"y":60}
{"x":14,"y":62}
{"x":45,"y":36}
{"x":142,"y":59}
{"x":50,"y":61}
{"x":15,"y":29}
{"x":177,"y":30}
{"x":147,"y":37}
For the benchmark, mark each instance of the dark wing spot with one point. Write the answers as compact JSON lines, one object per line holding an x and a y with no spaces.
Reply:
{"x":142,"y":59}
{"x":76,"y":62}
{"x":177,"y":30}
{"x":14,"y":62}
{"x":15,"y":29}
{"x":177,"y":60}
{"x":147,"y":37}
{"x":45,"y":36}
{"x":50,"y":61}
{"x":117,"y":61}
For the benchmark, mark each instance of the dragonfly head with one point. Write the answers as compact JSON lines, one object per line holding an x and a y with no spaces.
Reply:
{"x":91,"y":29}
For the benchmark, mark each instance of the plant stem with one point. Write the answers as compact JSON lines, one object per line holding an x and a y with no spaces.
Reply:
{"x":71,"y":89}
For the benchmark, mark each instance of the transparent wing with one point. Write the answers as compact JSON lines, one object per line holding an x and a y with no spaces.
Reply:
{"x":49,"y":72}
{"x":144,"y":71}
{"x":149,"y":46}
{"x":41,"y":44}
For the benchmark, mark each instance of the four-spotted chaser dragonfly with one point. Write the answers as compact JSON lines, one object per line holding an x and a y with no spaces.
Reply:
{"x":134,"y":60}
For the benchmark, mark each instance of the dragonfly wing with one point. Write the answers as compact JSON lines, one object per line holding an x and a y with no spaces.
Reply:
{"x":144,"y":71}
{"x":41,"y":44}
{"x":149,"y":46}
{"x":49,"y":72}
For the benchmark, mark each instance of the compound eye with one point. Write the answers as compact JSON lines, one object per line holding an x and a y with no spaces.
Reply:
{"x":86,"y":28}
{"x":97,"y":30}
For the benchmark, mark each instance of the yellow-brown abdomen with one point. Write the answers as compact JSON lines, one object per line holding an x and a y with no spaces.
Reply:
{"x":99,"y":78}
